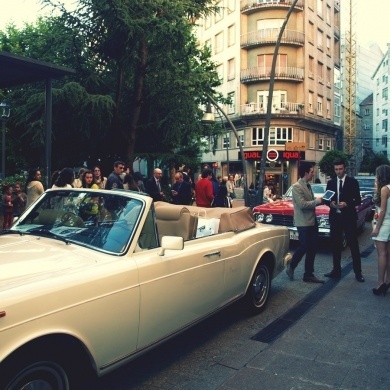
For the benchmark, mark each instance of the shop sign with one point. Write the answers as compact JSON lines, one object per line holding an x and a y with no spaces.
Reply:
{"x":274,"y":155}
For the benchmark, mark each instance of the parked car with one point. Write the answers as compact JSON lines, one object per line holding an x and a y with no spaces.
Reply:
{"x":282,"y":213}
{"x":94,"y":278}
{"x":367,"y":184}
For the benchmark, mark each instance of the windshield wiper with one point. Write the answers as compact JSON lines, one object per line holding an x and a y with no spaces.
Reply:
{"x":47,"y":233}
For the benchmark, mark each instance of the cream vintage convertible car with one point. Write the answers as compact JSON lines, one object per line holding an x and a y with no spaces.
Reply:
{"x":92,"y":279}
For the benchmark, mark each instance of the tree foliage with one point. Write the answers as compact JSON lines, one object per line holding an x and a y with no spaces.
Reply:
{"x":370,"y":163}
{"x":140,"y":79}
{"x":326,"y":163}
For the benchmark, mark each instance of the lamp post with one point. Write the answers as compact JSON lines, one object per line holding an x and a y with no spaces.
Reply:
{"x":208,"y":117}
{"x":5,"y":113}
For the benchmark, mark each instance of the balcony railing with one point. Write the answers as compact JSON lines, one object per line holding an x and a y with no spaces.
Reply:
{"x":281,"y":73}
{"x":249,"y":6}
{"x":270,"y":35}
{"x":281,"y":108}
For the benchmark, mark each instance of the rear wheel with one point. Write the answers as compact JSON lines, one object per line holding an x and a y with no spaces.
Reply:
{"x":258,"y":290}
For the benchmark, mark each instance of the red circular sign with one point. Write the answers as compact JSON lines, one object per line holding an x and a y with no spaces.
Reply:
{"x":272,"y":155}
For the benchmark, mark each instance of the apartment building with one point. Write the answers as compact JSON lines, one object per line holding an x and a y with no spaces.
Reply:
{"x":305,"y":102}
{"x":381,"y":106}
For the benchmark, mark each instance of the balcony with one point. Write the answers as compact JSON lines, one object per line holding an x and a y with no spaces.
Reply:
{"x":269,"y":36}
{"x":251,"y":6}
{"x":290,"y":73}
{"x":285,"y":108}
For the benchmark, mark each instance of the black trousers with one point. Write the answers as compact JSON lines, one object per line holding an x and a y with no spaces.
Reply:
{"x":338,"y":225}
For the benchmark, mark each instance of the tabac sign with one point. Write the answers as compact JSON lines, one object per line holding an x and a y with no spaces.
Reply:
{"x":274,"y":155}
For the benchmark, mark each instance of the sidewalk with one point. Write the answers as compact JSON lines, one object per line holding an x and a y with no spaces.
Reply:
{"x":337,"y":337}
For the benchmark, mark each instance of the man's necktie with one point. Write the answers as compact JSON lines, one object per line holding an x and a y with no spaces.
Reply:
{"x":309,"y":187}
{"x":158,"y":186}
{"x":340,"y":186}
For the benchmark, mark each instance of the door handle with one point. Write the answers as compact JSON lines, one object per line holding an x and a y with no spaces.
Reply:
{"x":217,"y":253}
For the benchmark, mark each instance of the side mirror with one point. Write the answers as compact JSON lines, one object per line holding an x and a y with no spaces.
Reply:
{"x":171,"y":242}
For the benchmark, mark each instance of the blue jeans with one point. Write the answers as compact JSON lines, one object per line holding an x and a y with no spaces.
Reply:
{"x":308,"y":238}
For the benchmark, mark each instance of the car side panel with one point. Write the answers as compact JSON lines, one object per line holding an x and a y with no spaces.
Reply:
{"x":99,"y":306}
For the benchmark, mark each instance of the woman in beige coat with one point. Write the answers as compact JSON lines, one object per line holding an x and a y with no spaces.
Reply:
{"x":34,"y":187}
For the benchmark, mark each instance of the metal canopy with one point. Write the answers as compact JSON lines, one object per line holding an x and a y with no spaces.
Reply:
{"x":16,"y":70}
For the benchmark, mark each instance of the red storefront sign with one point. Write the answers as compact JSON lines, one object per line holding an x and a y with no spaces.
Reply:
{"x":272,"y":155}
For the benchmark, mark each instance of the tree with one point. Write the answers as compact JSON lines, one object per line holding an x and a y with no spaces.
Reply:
{"x":326,"y":163}
{"x":140,"y":80}
{"x":158,"y":75}
{"x":370,"y":163}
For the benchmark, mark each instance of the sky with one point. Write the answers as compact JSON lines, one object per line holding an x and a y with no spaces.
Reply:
{"x":370,"y":17}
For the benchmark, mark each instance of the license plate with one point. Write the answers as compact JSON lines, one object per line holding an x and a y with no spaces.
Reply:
{"x":294,"y":235}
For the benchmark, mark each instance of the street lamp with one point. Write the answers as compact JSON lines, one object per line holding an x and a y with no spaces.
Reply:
{"x":5,"y":113}
{"x":208,"y":118}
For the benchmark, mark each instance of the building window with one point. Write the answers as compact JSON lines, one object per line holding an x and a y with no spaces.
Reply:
{"x":328,"y":15}
{"x":219,"y":70}
{"x":241,"y":138}
{"x":377,"y":112}
{"x":231,"y":35}
{"x":311,"y":33}
{"x":319,"y":8}
{"x":328,"y":109}
{"x":311,"y":67}
{"x":277,"y":135}
{"x":320,"y":72}
{"x":231,"y":6}
{"x":328,"y":144}
{"x":384,"y":140}
{"x":384,"y":124}
{"x":384,"y":93}
{"x":377,"y":127}
{"x":311,"y":108}
{"x":312,"y":140}
{"x":320,"y":105}
{"x":328,"y":77}
{"x":225,"y":142}
{"x":328,"y":45}
{"x":264,"y":62}
{"x":279,"y":100}
{"x":219,"y":13}
{"x":231,"y":107}
{"x":207,"y":22}
{"x":231,"y":69}
{"x":320,"y":42}
{"x":366,"y":111}
{"x":219,"y":43}
{"x":366,"y":126}
{"x":320,"y":144}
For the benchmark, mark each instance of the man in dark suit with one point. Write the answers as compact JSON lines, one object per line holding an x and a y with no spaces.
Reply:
{"x":181,"y":190}
{"x":153,"y":186}
{"x":343,"y":218}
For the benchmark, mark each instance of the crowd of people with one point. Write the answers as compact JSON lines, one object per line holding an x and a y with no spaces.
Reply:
{"x":209,"y":191}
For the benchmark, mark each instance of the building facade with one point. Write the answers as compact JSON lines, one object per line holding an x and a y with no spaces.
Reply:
{"x":306,"y":102}
{"x":381,"y":106}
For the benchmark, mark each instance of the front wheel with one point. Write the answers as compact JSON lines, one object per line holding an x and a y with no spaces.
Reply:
{"x":43,"y":375}
{"x":258,"y":290}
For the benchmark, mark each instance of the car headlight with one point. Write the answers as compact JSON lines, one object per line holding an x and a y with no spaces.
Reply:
{"x":260,"y":217}
{"x":323,"y":221}
{"x":268,"y":218}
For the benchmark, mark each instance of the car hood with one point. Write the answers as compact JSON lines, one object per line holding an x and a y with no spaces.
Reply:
{"x":30,"y":258}
{"x":285,"y":207}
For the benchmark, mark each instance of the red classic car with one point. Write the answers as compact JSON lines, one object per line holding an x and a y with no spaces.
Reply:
{"x":281,"y":212}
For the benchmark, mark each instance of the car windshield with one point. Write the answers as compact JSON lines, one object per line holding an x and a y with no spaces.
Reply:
{"x":318,"y":190}
{"x":102,"y":220}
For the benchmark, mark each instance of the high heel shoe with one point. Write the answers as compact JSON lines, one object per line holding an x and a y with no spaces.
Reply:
{"x":382,"y":289}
